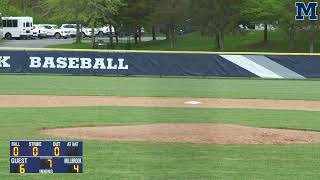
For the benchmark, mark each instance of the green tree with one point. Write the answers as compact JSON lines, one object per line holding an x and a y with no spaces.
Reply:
{"x":7,"y":9}
{"x":67,"y":11}
{"x":262,"y":11}
{"x":31,"y":8}
{"x":287,"y":21}
{"x":310,"y":30}
{"x":135,"y":15}
{"x":170,"y":14}
{"x":216,"y":17}
{"x":100,"y":12}
{"x":294,"y":29}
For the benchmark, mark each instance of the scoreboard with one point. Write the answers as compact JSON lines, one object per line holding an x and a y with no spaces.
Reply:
{"x":46,"y":157}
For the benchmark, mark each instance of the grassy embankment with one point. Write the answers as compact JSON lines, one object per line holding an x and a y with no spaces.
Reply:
{"x":248,"y":41}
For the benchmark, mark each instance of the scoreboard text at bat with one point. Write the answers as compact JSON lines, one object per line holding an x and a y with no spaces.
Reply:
{"x":46,"y":157}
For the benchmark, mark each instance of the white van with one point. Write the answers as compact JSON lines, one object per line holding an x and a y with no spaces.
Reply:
{"x":17,"y":27}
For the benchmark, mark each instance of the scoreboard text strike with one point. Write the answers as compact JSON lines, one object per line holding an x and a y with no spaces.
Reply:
{"x":46,"y":157}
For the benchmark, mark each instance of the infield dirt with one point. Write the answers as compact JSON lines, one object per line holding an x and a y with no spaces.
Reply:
{"x":77,"y":101}
{"x":186,"y":133}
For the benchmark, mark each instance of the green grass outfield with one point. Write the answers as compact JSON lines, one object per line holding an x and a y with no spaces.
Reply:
{"x":170,"y":87}
{"x":128,"y":160}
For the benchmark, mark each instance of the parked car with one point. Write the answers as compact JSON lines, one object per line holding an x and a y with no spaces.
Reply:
{"x":17,"y":27}
{"x":72,"y":28}
{"x":56,"y":32}
{"x":260,"y":27}
{"x":39,"y":31}
{"x":243,"y":27}
{"x":105,"y":30}
{"x":85,"y":32}
{"x":142,"y":31}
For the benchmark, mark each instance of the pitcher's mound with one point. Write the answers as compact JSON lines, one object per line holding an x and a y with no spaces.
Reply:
{"x":188,"y":133}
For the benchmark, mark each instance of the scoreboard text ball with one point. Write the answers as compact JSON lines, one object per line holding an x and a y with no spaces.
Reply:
{"x":46,"y":156}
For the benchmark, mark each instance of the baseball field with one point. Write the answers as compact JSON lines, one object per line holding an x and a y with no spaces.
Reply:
{"x":168,"y":128}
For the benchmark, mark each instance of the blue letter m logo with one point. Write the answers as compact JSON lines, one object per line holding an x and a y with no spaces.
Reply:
{"x":307,"y":11}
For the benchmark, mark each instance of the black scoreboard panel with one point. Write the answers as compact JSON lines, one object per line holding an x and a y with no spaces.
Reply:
{"x":46,"y":157}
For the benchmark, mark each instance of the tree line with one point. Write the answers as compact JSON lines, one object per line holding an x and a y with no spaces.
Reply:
{"x":214,"y":18}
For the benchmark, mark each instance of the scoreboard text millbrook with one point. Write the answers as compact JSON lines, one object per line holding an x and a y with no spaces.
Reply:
{"x":46,"y":157}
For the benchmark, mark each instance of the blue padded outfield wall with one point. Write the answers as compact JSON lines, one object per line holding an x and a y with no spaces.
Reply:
{"x":293,"y":66}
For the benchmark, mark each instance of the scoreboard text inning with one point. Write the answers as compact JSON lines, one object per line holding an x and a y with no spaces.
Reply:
{"x":46,"y":157}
